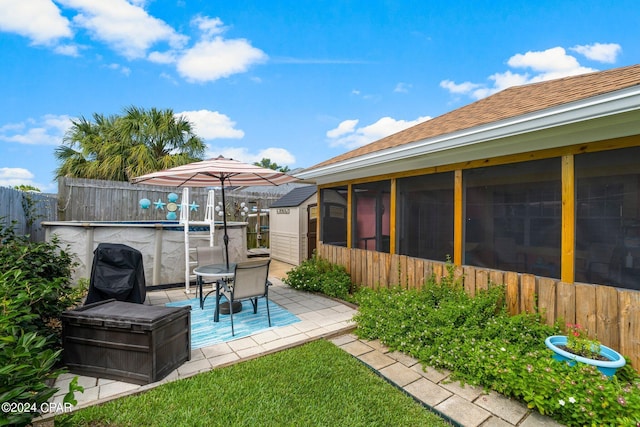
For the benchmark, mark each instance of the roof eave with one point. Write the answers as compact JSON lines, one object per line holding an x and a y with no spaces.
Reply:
{"x":475,"y":143}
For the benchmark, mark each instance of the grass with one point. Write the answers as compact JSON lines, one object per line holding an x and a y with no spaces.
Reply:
{"x":314,"y":384}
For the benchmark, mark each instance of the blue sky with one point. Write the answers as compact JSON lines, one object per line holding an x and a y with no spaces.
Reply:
{"x":295,"y":81}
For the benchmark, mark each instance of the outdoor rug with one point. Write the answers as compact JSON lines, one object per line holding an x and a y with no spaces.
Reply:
{"x":205,"y":332}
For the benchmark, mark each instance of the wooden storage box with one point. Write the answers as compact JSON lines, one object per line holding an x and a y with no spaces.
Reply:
{"x":125,"y":341}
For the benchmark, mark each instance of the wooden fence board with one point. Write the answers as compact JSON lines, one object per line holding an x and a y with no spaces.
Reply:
{"x":607,"y":326}
{"x":44,"y":207}
{"x":420,"y":275}
{"x":566,"y":302}
{"x":348,"y":258}
{"x":368,"y":271}
{"x":469,"y":280}
{"x":428,"y":270}
{"x":512,"y":289}
{"x":402,"y":272}
{"x":482,"y":280}
{"x":375,"y":270}
{"x":357,"y":267}
{"x":546,"y":290}
{"x":411,"y":273}
{"x":394,"y":270}
{"x":629,"y":308}
{"x":438,"y":271}
{"x":586,"y":308}
{"x":458,"y":274}
{"x":495,"y":277}
{"x":363,"y":267}
{"x":528,"y":295}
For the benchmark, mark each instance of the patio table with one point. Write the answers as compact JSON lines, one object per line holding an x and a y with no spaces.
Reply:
{"x":217,"y":272}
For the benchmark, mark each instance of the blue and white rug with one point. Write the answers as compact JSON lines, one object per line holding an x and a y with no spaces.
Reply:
{"x":205,"y":332}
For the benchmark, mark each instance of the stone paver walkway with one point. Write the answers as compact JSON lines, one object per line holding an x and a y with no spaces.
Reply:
{"x":323,"y":317}
{"x":466,"y":406}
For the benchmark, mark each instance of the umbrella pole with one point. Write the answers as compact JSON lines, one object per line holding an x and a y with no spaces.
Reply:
{"x":225,"y":238}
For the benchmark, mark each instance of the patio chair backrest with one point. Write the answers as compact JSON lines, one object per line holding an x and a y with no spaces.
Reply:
{"x":250,"y":279}
{"x":208,"y":255}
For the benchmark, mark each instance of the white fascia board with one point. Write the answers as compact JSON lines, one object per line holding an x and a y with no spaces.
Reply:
{"x":607,"y":105}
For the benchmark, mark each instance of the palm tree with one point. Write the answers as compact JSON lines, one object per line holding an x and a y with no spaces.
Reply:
{"x":80,"y":157}
{"x":118,"y":148}
{"x":266,"y":163}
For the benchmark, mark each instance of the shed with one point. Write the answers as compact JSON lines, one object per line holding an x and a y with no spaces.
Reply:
{"x":292,"y":228}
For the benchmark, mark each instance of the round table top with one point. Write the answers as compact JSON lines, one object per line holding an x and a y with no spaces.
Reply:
{"x":215,"y":270}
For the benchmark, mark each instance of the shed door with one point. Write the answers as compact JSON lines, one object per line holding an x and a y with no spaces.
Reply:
{"x":312,"y":233}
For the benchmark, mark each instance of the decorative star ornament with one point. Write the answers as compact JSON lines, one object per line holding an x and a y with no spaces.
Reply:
{"x":193,"y":207}
{"x":160,"y":204}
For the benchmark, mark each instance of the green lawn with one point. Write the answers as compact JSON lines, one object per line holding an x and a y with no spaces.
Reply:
{"x":316,"y":384}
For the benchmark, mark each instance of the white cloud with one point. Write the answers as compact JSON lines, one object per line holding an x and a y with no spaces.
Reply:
{"x":365,"y":96}
{"x":214,"y":57}
{"x":47,"y":130}
{"x":601,"y":52}
{"x":129,"y":30}
{"x":210,"y":27}
{"x":501,"y":82}
{"x":38,"y":20}
{"x":126,"y":27}
{"x":212,"y":125}
{"x":554,"y":59}
{"x":168,"y":57}
{"x":348,"y":136}
{"x":10,"y":177}
{"x":539,"y":66}
{"x":168,"y":77}
{"x":67,"y":49}
{"x":345,"y":127}
{"x":121,"y":68}
{"x":402,"y":88}
{"x":453,"y":87}
{"x":280,"y":156}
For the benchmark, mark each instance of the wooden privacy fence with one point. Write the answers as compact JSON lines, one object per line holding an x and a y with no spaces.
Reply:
{"x":611,"y":314}
{"x":28,"y":210}
{"x":97,"y":200}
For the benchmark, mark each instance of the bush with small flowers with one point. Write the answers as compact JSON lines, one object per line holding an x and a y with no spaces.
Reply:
{"x":481,"y":344}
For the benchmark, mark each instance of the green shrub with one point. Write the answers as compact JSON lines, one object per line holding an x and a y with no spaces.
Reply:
{"x":26,"y":359}
{"x":44,"y":283}
{"x":481,"y":344}
{"x":318,"y":275}
{"x":34,"y":291}
{"x":46,"y":260}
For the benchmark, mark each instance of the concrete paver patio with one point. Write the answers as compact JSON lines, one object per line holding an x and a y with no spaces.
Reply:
{"x":322,"y":317}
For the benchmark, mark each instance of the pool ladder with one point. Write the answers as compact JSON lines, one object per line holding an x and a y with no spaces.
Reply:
{"x":192,"y":237}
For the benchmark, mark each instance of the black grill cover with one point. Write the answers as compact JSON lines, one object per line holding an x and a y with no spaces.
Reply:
{"x":117,"y":272}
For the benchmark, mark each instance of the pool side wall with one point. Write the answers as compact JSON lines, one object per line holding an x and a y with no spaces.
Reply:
{"x":161,"y":245}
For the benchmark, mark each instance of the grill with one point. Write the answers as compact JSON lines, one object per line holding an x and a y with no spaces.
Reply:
{"x":117,"y":273}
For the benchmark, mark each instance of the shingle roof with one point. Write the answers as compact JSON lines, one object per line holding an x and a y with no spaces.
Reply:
{"x":295,"y":197}
{"x":512,"y":102}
